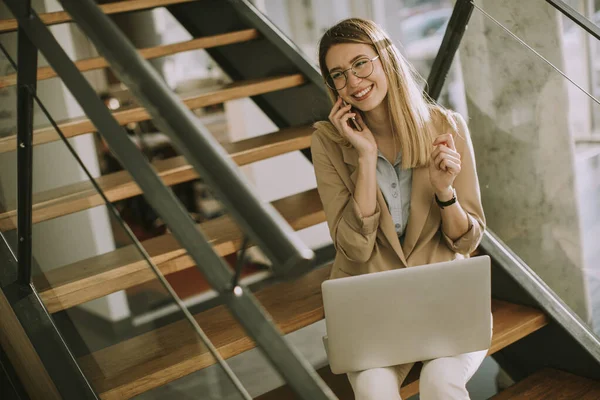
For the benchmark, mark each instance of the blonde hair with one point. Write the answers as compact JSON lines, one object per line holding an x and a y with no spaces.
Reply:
{"x":410,"y":110}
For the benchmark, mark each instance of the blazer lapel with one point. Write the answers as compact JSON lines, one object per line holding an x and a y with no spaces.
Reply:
{"x":387,"y":232}
{"x":421,"y":201}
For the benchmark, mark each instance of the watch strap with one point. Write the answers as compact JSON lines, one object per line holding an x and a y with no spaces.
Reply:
{"x":443,"y":204}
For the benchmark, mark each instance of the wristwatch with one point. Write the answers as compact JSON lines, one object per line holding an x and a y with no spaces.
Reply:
{"x":443,"y":204}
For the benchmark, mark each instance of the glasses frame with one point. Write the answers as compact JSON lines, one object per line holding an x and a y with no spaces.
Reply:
{"x":344,"y":72}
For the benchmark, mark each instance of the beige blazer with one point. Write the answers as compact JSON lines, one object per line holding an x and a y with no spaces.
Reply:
{"x":370,"y":244}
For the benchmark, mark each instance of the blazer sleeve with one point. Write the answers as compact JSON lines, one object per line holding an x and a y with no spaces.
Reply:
{"x":353,"y":235}
{"x":467,"y":193}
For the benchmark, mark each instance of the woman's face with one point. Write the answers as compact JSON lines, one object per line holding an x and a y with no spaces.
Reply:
{"x":367,"y":93}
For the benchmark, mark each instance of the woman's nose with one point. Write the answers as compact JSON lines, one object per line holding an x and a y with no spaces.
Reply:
{"x":353,"y":80}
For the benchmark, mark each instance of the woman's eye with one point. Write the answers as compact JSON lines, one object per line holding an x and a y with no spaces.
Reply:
{"x":360,"y":63}
{"x":336,"y":75}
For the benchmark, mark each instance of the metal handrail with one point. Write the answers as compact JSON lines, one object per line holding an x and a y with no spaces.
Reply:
{"x":549,"y":301}
{"x":41,"y":331}
{"x":576,"y":17}
{"x":258,"y":219}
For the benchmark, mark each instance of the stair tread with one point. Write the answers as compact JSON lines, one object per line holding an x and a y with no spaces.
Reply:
{"x":119,"y":185}
{"x":156,"y":358}
{"x":511,"y":323}
{"x":59,"y":17}
{"x":235,"y":90}
{"x":93,"y":63}
{"x":552,"y":384}
{"x":101,"y":275}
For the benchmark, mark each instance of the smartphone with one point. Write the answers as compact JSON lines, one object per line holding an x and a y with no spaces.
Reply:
{"x":353,"y":121}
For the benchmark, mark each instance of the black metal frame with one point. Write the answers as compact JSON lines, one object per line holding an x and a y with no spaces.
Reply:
{"x":452,"y":37}
{"x":576,"y":17}
{"x":43,"y":334}
{"x":26,"y":85}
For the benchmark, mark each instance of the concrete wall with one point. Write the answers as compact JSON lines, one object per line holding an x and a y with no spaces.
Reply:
{"x":522,"y":133}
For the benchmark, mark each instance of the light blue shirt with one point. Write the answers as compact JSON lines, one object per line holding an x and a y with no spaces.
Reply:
{"x":396,"y":185}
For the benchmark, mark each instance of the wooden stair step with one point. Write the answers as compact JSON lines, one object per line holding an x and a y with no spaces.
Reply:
{"x":235,"y":90}
{"x":93,"y":63}
{"x":58,"y":17}
{"x":511,"y":323}
{"x":552,"y":384}
{"x":171,"y":352}
{"x":99,"y":276}
{"x":119,"y":185}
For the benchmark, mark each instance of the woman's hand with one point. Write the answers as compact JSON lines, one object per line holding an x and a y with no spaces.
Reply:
{"x":444,"y":166}
{"x":363,"y":141}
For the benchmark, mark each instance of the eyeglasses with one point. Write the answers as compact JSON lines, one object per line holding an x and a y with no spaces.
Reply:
{"x":361,"y":68}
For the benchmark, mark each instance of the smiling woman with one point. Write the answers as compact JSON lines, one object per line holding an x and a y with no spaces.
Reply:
{"x":380,"y":182}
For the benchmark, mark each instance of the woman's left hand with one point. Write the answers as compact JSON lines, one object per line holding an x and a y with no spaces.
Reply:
{"x":445,"y":164}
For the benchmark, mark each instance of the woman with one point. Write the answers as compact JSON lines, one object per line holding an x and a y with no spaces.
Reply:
{"x":399,"y":190}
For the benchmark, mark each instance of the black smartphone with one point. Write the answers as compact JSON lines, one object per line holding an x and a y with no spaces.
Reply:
{"x":353,"y":120}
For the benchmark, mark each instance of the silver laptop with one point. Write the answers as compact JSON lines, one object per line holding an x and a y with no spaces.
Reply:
{"x":409,"y":314}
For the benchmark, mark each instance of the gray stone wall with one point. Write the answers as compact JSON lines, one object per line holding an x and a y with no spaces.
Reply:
{"x":519,"y":119}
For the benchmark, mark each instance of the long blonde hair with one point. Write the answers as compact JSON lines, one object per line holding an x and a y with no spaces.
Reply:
{"x":410,"y":110}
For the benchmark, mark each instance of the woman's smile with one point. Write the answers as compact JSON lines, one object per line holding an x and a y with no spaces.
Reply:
{"x":362,"y":94}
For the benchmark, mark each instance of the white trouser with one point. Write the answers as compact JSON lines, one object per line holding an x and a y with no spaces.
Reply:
{"x":441,"y":379}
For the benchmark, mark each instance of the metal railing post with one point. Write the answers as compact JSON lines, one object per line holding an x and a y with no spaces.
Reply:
{"x":26,"y":86}
{"x":452,"y":38}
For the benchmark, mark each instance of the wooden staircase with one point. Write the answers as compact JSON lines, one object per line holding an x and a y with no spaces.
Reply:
{"x":153,"y":359}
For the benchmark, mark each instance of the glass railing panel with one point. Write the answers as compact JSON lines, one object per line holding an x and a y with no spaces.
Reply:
{"x":106,"y":299}
{"x":89,"y":267}
{"x":8,"y":127}
{"x":579,"y":56}
{"x":529,"y":164}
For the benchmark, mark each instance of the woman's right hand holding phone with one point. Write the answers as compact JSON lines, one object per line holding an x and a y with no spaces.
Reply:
{"x":363,"y":141}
